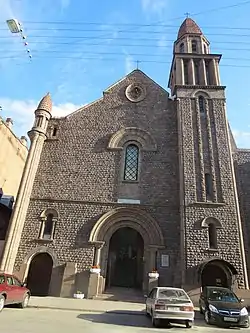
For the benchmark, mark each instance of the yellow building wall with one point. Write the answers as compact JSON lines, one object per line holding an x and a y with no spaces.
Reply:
{"x":13,"y":154}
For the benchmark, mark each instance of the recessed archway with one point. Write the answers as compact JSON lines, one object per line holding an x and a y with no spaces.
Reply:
{"x":125,"y":259}
{"x":39,"y":274}
{"x":217,"y":273}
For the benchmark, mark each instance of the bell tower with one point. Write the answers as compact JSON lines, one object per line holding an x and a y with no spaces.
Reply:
{"x":37,"y":137}
{"x":210,"y":219}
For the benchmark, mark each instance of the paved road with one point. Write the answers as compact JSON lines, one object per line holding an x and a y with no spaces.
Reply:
{"x":54,"y":321}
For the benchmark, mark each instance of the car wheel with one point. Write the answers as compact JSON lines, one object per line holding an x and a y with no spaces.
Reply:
{"x":207,"y":318}
{"x":25,"y":301}
{"x":189,"y":324}
{"x":2,"y":301}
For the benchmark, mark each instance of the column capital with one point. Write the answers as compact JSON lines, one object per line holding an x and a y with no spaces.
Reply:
{"x":97,"y":244}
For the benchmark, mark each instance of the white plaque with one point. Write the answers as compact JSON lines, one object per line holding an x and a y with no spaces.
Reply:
{"x":129,"y":201}
{"x":164,"y":260}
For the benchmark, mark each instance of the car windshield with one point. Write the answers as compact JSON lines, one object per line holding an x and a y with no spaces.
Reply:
{"x":221,"y":295}
{"x":173,"y":294}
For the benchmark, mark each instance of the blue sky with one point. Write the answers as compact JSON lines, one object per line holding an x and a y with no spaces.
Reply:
{"x":76,"y":62}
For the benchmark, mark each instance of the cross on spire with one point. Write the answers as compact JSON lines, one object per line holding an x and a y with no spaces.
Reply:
{"x":137,"y":64}
{"x":187,"y":15}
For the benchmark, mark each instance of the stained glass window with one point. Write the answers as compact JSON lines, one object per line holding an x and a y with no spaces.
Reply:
{"x":131,"y":162}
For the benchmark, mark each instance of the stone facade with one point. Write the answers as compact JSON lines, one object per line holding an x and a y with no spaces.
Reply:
{"x":180,"y":195}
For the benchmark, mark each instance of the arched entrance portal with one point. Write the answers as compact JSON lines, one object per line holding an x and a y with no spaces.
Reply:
{"x":125,"y":259}
{"x":217,"y":273}
{"x":39,"y":275}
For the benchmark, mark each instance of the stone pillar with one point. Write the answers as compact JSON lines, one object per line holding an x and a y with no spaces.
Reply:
{"x":214,"y":72}
{"x":93,"y":286}
{"x":98,"y":248}
{"x":202,"y":70}
{"x":179,"y":71}
{"x":152,"y":281}
{"x":68,"y":280}
{"x":191,"y":72}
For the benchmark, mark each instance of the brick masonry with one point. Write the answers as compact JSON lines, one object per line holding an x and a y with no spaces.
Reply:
{"x":81,"y":178}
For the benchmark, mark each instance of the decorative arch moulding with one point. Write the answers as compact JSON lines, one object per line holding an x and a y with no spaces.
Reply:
{"x":133,"y":134}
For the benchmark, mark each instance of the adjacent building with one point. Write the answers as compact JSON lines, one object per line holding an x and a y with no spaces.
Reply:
{"x":137,"y":181}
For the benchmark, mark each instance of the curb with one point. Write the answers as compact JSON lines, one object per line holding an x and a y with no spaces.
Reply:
{"x":122,"y":312}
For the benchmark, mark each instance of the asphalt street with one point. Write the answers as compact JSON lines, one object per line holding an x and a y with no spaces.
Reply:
{"x":52,"y":321}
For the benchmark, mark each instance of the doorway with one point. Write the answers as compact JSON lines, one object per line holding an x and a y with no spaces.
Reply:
{"x":214,"y":275}
{"x":39,"y":276}
{"x":125,"y":259}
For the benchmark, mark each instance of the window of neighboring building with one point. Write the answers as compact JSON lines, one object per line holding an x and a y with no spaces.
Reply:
{"x":185,"y":71}
{"x":194,"y":46}
{"x":208,"y":183}
{"x":131,"y":162}
{"x":212,"y":236}
{"x":182,"y":48}
{"x":202,"y":104}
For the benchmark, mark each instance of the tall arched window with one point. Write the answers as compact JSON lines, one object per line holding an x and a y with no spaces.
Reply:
{"x":49,"y":218}
{"x":197,"y":72}
{"x":182,"y":48}
{"x":194,"y":46}
{"x":212,"y":236}
{"x":131,"y":162}
{"x":202,"y":104}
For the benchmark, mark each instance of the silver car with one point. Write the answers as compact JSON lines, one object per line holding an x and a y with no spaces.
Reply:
{"x":172,"y":305}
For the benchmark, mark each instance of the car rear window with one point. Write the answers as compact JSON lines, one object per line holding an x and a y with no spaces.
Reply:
{"x":2,"y":279}
{"x":172,"y":294}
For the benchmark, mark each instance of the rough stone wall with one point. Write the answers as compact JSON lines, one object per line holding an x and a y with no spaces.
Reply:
{"x":242,"y":168}
{"x":79,"y":176}
{"x":224,"y":208}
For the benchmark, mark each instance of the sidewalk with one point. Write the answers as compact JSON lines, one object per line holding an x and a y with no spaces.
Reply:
{"x":87,"y":305}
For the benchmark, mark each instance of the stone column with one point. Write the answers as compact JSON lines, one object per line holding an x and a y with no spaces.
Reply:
{"x":98,"y":247}
{"x":191,"y":72}
{"x":202,"y":70}
{"x":214,"y":72}
{"x":179,"y":71}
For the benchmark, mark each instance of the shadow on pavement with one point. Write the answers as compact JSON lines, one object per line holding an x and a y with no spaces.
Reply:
{"x":130,"y":319}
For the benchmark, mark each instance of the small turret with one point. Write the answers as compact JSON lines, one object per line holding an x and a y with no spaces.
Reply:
{"x":42,"y":115}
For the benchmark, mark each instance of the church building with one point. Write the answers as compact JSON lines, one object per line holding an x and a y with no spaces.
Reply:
{"x":139,"y":181}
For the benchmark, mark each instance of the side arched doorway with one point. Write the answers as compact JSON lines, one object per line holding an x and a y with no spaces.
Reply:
{"x":125,"y":259}
{"x":39,"y":275}
{"x":217,"y":273}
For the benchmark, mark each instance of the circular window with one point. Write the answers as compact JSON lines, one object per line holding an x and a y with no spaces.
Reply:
{"x":135,"y":92}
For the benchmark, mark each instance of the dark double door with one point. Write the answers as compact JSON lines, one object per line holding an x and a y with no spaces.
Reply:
{"x":125,"y":264}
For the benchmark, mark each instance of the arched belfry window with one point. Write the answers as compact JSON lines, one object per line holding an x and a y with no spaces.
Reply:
{"x":182,"y":48}
{"x":49,"y":218}
{"x":194,"y":46}
{"x":131,"y":162}
{"x":202,"y":104}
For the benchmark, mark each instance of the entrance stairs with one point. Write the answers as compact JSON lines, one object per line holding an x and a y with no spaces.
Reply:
{"x":122,"y":295}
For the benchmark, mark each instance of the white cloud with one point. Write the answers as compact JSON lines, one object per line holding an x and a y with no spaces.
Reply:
{"x":22,"y":112}
{"x":242,"y":138}
{"x":154,"y":6}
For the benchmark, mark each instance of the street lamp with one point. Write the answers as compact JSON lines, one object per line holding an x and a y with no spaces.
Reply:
{"x":14,"y":26}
